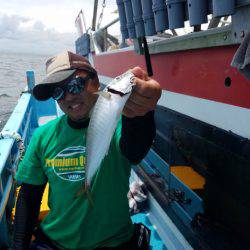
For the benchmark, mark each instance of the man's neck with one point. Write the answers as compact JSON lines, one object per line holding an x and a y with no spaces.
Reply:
{"x":79,"y":124}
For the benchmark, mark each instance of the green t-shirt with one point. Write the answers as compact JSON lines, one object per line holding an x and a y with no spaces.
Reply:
{"x":56,"y":154}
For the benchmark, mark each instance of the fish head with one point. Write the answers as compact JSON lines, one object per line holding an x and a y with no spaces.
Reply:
{"x":122,"y":84}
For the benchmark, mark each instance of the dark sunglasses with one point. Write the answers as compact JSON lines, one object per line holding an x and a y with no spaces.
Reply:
{"x":75,"y":86}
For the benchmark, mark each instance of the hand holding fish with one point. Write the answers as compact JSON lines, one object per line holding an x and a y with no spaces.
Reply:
{"x":144,"y":96}
{"x":135,"y":94}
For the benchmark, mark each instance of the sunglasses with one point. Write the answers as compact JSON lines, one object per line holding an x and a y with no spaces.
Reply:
{"x":75,"y":86}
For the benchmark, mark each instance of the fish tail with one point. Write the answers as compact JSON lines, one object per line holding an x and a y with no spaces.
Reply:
{"x":81,"y":191}
{"x":85,"y":191}
{"x":89,"y":197}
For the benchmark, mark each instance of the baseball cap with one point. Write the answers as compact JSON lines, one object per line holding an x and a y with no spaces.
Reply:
{"x":59,"y":69}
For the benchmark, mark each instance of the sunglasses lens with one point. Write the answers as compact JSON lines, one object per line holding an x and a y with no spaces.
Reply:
{"x":58,"y":93}
{"x":76,"y":85}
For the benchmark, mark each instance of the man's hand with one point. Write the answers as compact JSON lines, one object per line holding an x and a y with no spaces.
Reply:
{"x":145,"y":94}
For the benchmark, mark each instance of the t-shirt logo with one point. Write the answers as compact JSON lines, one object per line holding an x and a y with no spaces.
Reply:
{"x":69,"y":164}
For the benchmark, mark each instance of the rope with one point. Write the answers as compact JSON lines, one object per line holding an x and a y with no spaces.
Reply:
{"x":17,"y":137}
{"x":101,"y":15}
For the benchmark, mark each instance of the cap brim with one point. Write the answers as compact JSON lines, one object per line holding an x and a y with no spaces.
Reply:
{"x":44,"y":90}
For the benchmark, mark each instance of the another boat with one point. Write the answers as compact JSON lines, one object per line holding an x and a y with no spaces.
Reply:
{"x":198,"y":170}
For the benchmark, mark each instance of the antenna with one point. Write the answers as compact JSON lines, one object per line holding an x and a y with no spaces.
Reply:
{"x":78,"y":24}
{"x":84,"y":20}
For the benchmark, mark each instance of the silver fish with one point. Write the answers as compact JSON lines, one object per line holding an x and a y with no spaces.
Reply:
{"x":103,"y":121}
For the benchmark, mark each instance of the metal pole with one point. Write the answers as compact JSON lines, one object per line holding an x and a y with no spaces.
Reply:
{"x":31,"y":83}
{"x":30,"y":80}
{"x":94,"y":15}
{"x":84,"y":20}
{"x":156,"y":191}
{"x":109,"y":24}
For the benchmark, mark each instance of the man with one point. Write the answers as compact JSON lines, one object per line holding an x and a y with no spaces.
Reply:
{"x":56,"y":155}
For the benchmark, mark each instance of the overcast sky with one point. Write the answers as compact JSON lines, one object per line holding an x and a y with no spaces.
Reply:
{"x":45,"y":27}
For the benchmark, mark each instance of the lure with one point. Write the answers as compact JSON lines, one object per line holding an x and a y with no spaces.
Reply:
{"x":103,"y":122}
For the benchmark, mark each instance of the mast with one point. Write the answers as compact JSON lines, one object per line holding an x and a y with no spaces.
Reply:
{"x":94,"y":15}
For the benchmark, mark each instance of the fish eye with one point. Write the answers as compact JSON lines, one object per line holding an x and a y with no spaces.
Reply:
{"x":132,"y":79}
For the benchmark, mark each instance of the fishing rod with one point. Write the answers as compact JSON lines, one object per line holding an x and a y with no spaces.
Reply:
{"x":159,"y":194}
{"x":147,"y":56}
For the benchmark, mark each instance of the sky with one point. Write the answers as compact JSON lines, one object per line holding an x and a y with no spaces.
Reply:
{"x":45,"y":27}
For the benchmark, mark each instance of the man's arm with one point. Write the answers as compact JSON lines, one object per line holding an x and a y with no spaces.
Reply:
{"x":138,"y":125}
{"x":137,"y":136}
{"x":26,"y":216}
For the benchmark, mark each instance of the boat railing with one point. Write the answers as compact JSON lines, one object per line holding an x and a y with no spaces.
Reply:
{"x":188,"y":206}
{"x":14,"y":137}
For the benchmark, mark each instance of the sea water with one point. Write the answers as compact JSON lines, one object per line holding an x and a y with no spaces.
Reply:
{"x":13,"y":81}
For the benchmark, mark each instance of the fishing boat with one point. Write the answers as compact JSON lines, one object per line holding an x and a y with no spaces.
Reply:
{"x":197,"y":172}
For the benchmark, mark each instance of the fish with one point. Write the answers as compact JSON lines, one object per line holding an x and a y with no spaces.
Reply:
{"x":103,"y":122}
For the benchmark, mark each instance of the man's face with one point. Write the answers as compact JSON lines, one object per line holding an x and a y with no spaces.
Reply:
{"x":78,"y":106}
